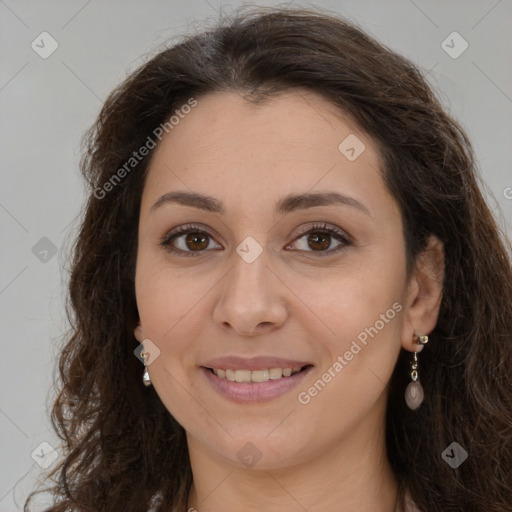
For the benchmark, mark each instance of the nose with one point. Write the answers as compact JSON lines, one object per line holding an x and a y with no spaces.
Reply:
{"x":252,"y":298}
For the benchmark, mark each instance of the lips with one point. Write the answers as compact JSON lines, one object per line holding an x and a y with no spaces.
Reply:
{"x":254,"y":379}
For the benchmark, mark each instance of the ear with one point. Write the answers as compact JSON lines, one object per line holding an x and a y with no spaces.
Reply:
{"x":424,"y":294}
{"x":138,"y":333}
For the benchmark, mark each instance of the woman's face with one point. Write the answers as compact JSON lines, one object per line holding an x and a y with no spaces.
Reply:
{"x":254,"y":284}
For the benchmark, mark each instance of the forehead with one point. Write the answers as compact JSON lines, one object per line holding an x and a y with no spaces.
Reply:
{"x":294,"y":142}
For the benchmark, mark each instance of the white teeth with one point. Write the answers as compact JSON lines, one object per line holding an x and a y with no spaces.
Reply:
{"x":243,"y":375}
{"x":260,"y":375}
{"x":255,"y":375}
{"x":275,"y":373}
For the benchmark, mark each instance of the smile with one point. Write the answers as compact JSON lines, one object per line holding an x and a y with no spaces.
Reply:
{"x":256,"y":385}
{"x":255,"y":375}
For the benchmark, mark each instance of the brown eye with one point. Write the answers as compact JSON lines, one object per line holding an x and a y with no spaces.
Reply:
{"x":319,"y":241}
{"x":196,"y":241}
{"x":188,"y":241}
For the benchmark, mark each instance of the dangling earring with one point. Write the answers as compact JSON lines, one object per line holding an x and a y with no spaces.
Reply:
{"x":414,"y":392}
{"x":146,"y":379}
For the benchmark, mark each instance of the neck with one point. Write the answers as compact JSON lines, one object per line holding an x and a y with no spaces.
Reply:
{"x":351,"y":475}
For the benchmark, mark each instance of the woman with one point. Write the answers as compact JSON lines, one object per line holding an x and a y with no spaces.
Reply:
{"x":288,"y":231}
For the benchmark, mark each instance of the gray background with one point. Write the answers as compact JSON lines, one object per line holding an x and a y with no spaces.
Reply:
{"x":46,"y":105}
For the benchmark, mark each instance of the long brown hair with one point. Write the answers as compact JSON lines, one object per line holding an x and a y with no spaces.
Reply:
{"x":122,"y":447}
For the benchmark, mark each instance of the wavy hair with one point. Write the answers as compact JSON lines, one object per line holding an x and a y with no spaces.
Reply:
{"x":122,"y":448}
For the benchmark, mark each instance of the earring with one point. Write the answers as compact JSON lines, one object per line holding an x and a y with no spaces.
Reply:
{"x":414,"y":392}
{"x":146,"y":379}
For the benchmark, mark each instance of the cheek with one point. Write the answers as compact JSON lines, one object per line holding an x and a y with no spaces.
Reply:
{"x":167,"y":304}
{"x":167,"y":296}
{"x":361,"y":307}
{"x":163,"y":306}
{"x":359,"y":357}
{"x":354,"y":301}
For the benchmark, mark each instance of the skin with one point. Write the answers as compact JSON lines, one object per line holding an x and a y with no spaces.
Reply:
{"x":290,"y":302}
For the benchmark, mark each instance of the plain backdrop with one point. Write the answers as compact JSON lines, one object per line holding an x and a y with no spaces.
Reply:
{"x":46,"y":104}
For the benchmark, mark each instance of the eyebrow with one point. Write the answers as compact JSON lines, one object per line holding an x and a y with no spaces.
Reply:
{"x":287,"y":204}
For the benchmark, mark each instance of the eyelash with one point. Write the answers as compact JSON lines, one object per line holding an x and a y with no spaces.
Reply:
{"x":324,"y":229}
